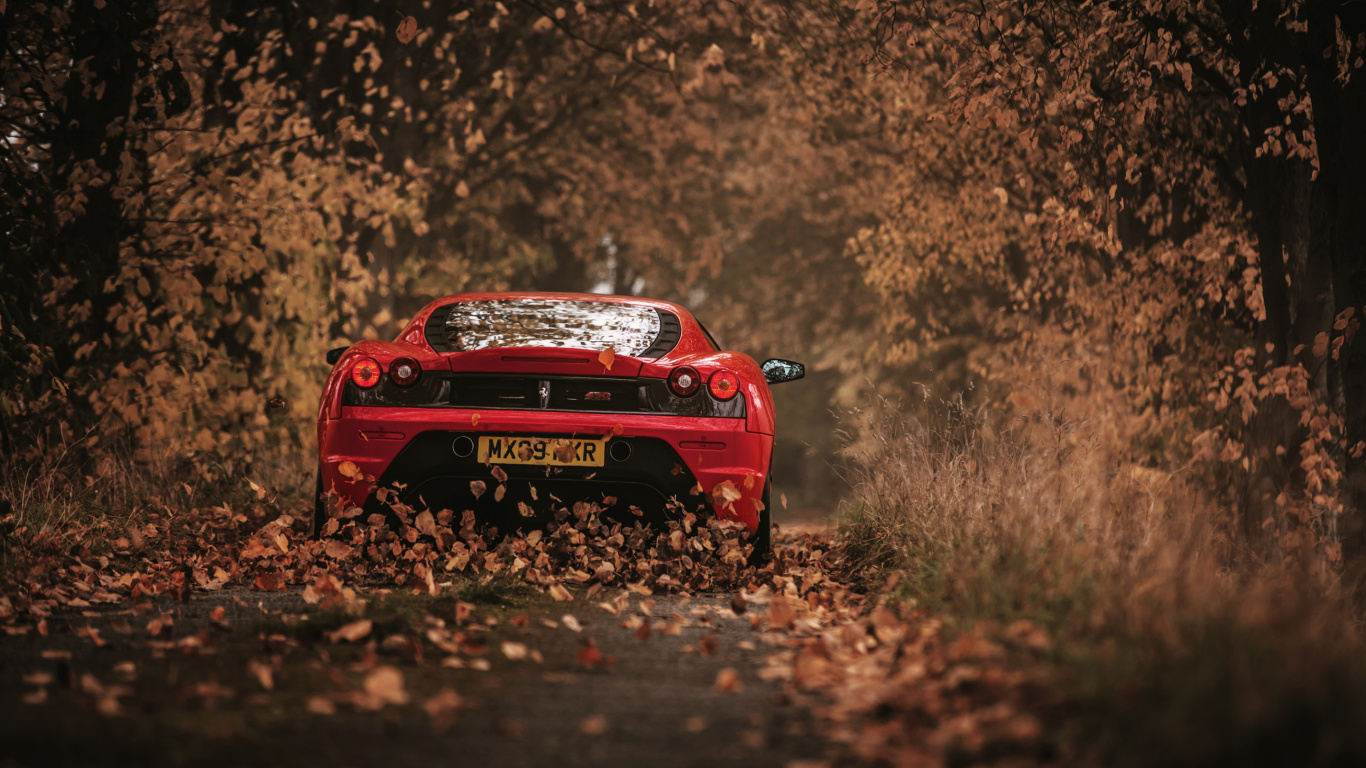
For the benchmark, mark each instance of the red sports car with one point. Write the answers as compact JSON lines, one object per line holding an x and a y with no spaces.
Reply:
{"x":558,"y":397}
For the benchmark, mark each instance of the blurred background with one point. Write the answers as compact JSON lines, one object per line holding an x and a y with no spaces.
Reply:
{"x":200,"y":197}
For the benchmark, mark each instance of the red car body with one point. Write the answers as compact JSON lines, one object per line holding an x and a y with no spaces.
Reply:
{"x":680,"y":450}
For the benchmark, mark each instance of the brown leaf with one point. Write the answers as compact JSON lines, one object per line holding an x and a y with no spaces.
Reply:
{"x":385,"y":684}
{"x":407,"y":30}
{"x":270,"y":582}
{"x":426,"y":523}
{"x":351,"y":632}
{"x":780,"y":614}
{"x":563,"y":450}
{"x":499,"y":474}
{"x":606,"y":357}
{"x":442,"y":707}
{"x":263,"y":673}
{"x":707,"y":645}
{"x":725,"y":493}
{"x":477,"y":487}
{"x":558,"y":592}
{"x":738,"y":604}
{"x":728,"y":681}
{"x":593,"y":725}
{"x":500,"y":492}
{"x":337,"y":550}
{"x":349,"y":469}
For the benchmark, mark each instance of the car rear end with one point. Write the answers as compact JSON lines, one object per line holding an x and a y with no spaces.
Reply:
{"x":510,"y":406}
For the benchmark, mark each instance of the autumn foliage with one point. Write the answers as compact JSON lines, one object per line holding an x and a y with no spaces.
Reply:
{"x":1124,"y":241}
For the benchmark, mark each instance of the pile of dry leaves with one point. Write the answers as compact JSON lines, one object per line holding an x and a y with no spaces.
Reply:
{"x":892,"y":688}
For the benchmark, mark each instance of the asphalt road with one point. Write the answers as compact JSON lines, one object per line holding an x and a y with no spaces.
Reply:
{"x":194,"y":695}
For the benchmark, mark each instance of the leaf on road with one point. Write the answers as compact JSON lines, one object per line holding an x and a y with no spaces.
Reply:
{"x":384,"y":684}
{"x":728,"y":681}
{"x":351,"y":632}
{"x":270,"y":582}
{"x":407,"y":30}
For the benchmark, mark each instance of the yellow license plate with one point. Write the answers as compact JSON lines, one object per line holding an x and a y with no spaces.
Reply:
{"x":554,"y":451}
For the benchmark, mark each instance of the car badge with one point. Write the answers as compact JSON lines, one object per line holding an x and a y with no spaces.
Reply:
{"x":545,"y":394}
{"x":598,"y":396}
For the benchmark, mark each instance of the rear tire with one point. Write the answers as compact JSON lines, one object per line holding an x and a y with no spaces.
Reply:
{"x":763,"y":536}
{"x":319,"y":509}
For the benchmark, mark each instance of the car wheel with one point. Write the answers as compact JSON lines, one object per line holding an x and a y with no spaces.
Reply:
{"x":763,"y":537}
{"x":319,"y":509}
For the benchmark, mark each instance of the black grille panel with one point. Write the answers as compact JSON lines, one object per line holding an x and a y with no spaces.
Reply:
{"x":561,"y":393}
{"x":595,"y":395}
{"x":495,"y":392}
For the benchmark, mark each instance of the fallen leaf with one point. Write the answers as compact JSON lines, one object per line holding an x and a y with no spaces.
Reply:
{"x":514,"y":651}
{"x":558,"y":592}
{"x":426,"y":523}
{"x":606,"y":357}
{"x":442,"y":707}
{"x":593,"y":725}
{"x":728,"y":681}
{"x":407,"y":30}
{"x":349,"y":469}
{"x":499,"y":474}
{"x":571,"y":623}
{"x":477,"y":487}
{"x":385,"y":683}
{"x":337,"y":550}
{"x":780,"y":614}
{"x":351,"y":632}
{"x":707,"y":645}
{"x":725,"y":493}
{"x":270,"y":582}
{"x":263,"y":673}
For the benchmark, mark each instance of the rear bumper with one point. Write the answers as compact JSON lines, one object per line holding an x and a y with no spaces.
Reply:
{"x":414,"y":448}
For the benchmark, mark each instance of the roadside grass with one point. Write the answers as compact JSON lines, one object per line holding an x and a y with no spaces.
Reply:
{"x":78,"y":498}
{"x":1173,"y":642}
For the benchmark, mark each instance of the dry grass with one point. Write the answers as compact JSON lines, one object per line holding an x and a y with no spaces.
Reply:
{"x":73,"y":495}
{"x":1176,"y":642}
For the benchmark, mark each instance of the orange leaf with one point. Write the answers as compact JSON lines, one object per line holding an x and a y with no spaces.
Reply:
{"x":407,"y":30}
{"x":606,"y":357}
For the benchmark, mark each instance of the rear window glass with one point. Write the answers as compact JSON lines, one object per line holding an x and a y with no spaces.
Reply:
{"x":470,"y":325}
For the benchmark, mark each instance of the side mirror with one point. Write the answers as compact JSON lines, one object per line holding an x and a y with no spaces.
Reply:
{"x":777,"y":371}
{"x":333,"y":355}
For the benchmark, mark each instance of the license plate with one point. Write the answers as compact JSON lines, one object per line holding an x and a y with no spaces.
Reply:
{"x":554,"y":451}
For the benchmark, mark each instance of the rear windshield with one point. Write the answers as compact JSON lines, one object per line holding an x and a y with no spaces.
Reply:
{"x":469,"y":325}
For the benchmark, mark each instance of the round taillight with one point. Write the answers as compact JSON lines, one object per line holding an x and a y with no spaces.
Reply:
{"x":685,"y":381}
{"x":404,"y":371}
{"x":365,"y":373}
{"x":723,"y":384}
